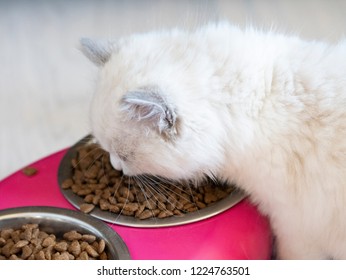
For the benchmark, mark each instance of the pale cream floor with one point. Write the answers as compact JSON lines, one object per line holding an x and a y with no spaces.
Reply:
{"x":46,"y":84}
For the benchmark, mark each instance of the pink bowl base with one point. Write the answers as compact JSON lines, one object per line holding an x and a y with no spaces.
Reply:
{"x":238,"y":233}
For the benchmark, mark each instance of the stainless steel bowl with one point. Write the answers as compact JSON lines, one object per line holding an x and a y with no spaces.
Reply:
{"x":65,"y":171}
{"x":58,"y":221}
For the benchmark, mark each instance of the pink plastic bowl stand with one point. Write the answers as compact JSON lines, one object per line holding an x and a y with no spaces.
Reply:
{"x":237,"y":233}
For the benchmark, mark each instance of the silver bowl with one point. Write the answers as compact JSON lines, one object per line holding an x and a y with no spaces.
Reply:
{"x":65,"y":171}
{"x":58,"y":221}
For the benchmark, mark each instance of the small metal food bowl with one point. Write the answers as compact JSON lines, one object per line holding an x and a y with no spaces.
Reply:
{"x":58,"y":221}
{"x":65,"y":171}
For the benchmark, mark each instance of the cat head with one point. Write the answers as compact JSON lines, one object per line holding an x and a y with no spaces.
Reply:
{"x":148,"y":112}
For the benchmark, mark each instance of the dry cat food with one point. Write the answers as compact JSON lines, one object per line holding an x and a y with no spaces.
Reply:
{"x":31,"y":243}
{"x":95,"y":180}
{"x":29,"y":171}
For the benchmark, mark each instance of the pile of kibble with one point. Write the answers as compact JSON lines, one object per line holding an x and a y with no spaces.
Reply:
{"x":31,"y":243}
{"x":95,"y":180}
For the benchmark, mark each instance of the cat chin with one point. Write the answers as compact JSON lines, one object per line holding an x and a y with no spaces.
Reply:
{"x":120,"y":166}
{"x":116,"y":163}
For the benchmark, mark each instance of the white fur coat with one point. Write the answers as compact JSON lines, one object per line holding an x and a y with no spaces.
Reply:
{"x":263,"y":110}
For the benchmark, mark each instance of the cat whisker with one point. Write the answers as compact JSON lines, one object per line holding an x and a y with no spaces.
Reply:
{"x":140,"y":184}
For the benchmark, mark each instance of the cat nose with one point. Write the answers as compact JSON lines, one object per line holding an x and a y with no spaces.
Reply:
{"x":115,"y":163}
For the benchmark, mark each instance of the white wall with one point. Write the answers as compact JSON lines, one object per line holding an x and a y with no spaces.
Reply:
{"x":46,"y":84}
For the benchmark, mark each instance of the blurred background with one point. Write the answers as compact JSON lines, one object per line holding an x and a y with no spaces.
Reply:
{"x":46,"y":84}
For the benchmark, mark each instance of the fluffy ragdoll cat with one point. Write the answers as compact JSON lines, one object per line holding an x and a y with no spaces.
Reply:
{"x":262,"y":110}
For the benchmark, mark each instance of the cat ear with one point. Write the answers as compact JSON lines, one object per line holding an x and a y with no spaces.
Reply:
{"x":99,"y":52}
{"x":149,"y":105}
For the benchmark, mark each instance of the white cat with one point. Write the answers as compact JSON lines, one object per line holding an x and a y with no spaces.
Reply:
{"x":262,"y":110}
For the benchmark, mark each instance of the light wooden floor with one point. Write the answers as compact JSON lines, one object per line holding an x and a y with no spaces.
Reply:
{"x":45,"y":83}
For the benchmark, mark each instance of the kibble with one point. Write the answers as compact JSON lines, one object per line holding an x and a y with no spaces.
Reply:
{"x":45,"y":246}
{"x":72,"y":235}
{"x":29,"y":171}
{"x":94,"y":179}
{"x":87,"y":207}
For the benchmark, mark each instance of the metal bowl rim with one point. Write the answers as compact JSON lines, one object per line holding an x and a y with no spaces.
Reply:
{"x":64,"y":172}
{"x":114,"y":242}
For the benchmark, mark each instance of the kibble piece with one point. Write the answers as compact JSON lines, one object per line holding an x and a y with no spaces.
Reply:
{"x":6,"y":250}
{"x":20,"y":244}
{"x":6,"y":233}
{"x":104,"y":204}
{"x":126,"y":193}
{"x":103,"y":256}
{"x":220,"y":194}
{"x":56,"y":256}
{"x":72,"y":235}
{"x":177,"y":212}
{"x":85,"y":162}
{"x":42,"y":234}
{"x":91,"y":172}
{"x":75,"y":248}
{"x":67,"y":183}
{"x":30,"y":226}
{"x":140,"y":210}
{"x":156,"y":212}
{"x":104,"y":180}
{"x":86,"y":207}
{"x":77,"y":186}
{"x":165,"y":214}
{"x":83,"y":256}
{"x":40,"y":256}
{"x":170,"y":207}
{"x":89,"y":238}
{"x":61,"y":246}
{"x":71,"y":257}
{"x":210,"y":197}
{"x":84,"y":191}
{"x":14,"y":257}
{"x":15,"y":235}
{"x":150,"y":204}
{"x":126,"y":212}
{"x":48,"y":252}
{"x":29,"y":171}
{"x":112,"y":200}
{"x":179,"y":205}
{"x":102,"y":246}
{"x":132,"y":207}
{"x":48,"y":241}
{"x":26,"y":234}
{"x":26,"y":252}
{"x":83,"y":245}
{"x":15,"y":250}
{"x":122,"y":200}
{"x":64,"y":256}
{"x":89,"y":198}
{"x":146,"y":214}
{"x":2,"y":241}
{"x":161,"y":197}
{"x":141,"y":197}
{"x":161,"y":206}
{"x":91,"y":251}
{"x":188,"y":205}
{"x":200,"y":205}
{"x":191,"y":209}
{"x":36,"y":241}
{"x":114,"y":208}
{"x":96,"y":199}
{"x":35,"y":232}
